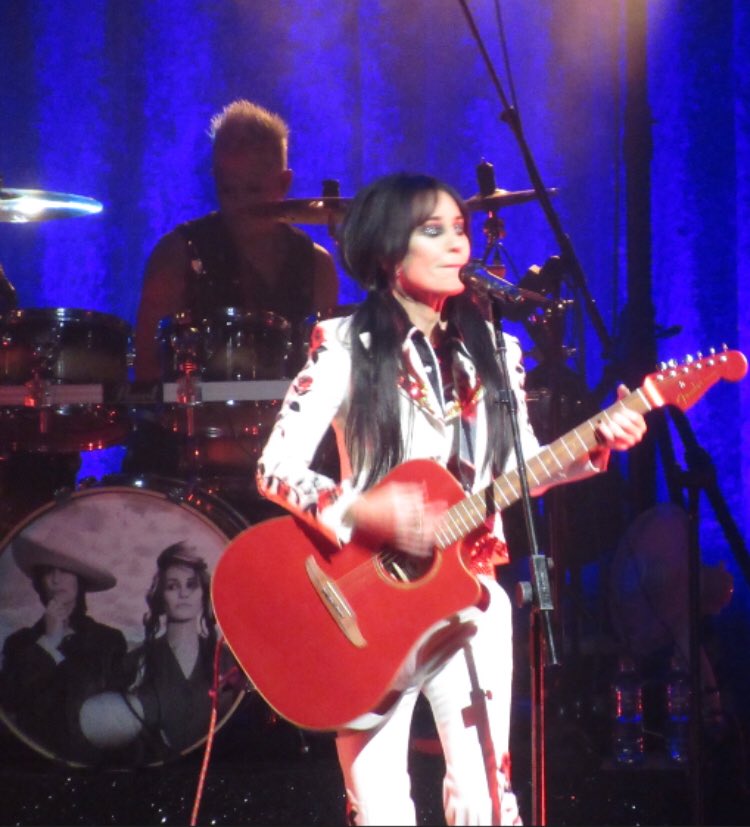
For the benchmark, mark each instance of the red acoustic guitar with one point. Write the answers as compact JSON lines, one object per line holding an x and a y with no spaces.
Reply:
{"x":322,"y":631}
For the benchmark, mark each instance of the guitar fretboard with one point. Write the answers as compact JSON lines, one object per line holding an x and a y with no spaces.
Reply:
{"x":547,"y":466}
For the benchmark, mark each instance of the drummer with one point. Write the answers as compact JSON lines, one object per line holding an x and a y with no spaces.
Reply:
{"x":228,"y":258}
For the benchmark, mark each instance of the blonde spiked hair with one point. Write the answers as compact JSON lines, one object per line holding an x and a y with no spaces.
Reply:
{"x":245,"y":125}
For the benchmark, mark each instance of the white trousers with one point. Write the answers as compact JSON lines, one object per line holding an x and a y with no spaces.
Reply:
{"x":470,"y":699}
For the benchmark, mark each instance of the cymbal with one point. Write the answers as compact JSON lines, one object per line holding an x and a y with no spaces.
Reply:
{"x":22,"y":206}
{"x":502,"y":198}
{"x":304,"y":210}
{"x":333,"y":208}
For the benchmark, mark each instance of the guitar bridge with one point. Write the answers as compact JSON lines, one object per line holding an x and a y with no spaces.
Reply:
{"x":337,"y":605}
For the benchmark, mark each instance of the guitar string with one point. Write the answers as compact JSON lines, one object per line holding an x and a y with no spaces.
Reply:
{"x":466,"y":515}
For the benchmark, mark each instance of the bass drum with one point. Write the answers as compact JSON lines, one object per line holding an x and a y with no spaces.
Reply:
{"x":81,"y":680}
{"x":45,"y":348}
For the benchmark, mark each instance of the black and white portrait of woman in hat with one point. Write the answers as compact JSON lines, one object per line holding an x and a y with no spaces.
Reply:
{"x":50,"y":667}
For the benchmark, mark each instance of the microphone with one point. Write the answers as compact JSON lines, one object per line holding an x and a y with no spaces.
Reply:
{"x":486,"y":283}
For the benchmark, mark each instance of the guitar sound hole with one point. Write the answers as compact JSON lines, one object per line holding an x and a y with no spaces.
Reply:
{"x":404,"y":568}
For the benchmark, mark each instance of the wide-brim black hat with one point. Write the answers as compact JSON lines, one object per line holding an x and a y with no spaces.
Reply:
{"x":29,"y":552}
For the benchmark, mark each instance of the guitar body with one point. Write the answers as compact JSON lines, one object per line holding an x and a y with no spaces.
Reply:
{"x":285,"y":635}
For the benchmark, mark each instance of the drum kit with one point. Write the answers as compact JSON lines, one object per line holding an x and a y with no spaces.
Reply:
{"x":64,"y":372}
{"x":65,"y":387}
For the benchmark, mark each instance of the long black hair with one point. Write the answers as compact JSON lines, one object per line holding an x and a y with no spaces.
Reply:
{"x":374,"y":240}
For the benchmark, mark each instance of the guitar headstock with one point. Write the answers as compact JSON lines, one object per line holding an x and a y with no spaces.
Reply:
{"x":684,"y":384}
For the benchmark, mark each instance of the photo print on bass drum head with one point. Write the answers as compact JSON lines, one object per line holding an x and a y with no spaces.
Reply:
{"x":107,"y":631}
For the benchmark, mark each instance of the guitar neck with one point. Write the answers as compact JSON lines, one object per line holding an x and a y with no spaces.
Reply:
{"x":543,"y":468}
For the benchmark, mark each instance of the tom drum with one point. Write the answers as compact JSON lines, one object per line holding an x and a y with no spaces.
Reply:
{"x":223,"y":439}
{"x":55,"y":358}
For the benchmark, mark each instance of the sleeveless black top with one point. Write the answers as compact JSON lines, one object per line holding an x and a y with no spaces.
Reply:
{"x":214,"y":279}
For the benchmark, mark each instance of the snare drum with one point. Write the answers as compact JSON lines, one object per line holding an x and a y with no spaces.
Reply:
{"x":44,"y":349}
{"x":110,"y":535}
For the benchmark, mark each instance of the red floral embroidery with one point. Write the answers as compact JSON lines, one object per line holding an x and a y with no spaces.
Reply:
{"x":317,"y":340}
{"x":505,"y":767}
{"x":303,"y":384}
{"x":486,"y":552}
{"x":414,"y":388}
{"x":284,"y":489}
{"x":327,"y":497}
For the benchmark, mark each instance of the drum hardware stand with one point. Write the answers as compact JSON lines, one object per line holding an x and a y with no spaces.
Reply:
{"x":8,"y":295}
{"x":493,"y":227}
{"x":189,"y":394}
{"x":331,"y":189}
{"x":38,"y":396}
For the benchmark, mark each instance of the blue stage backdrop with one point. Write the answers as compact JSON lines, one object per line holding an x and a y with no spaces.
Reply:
{"x":111,"y":99}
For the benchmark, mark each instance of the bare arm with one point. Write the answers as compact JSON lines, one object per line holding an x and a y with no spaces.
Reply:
{"x":326,"y":281}
{"x":162,"y":294}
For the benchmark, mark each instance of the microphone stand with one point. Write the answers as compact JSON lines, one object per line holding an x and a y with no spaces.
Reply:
{"x":538,"y":592}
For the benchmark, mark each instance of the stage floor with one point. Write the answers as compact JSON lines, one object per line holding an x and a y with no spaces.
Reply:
{"x":266,"y":772}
